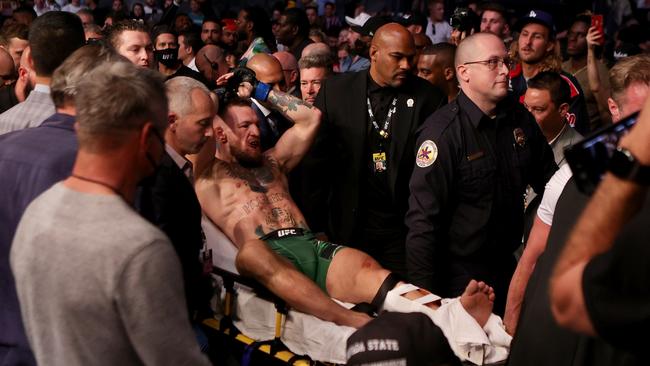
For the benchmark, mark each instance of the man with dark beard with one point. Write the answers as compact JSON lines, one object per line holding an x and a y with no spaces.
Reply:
{"x":361,"y":32}
{"x":166,"y":55}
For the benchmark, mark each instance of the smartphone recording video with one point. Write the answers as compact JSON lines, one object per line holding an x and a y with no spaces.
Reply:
{"x":590,"y":157}
{"x":597,"y":21}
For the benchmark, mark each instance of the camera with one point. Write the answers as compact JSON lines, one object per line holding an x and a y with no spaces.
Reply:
{"x":465,"y":20}
{"x":589,"y":158}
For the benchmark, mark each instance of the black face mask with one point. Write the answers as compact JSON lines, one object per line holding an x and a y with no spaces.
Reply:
{"x":167,"y":57}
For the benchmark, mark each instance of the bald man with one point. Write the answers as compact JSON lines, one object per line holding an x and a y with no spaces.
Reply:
{"x":475,"y":158}
{"x":211,"y":63}
{"x":289,"y":70}
{"x":273,"y":124}
{"x":318,"y":48}
{"x":355,"y":181}
{"x":436,"y":65}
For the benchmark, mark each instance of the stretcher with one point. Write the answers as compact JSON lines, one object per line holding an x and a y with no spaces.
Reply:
{"x":260,"y":322}
{"x":250,"y":315}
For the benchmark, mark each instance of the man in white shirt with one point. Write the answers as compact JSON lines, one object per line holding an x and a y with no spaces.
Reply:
{"x":438,"y":29}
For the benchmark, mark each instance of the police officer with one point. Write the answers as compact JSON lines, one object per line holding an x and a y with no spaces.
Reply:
{"x":475,"y":158}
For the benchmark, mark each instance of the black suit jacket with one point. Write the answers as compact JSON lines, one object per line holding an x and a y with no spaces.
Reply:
{"x":167,"y":199}
{"x":333,"y":171}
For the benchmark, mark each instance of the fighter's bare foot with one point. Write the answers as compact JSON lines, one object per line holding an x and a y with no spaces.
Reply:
{"x":478,"y":300}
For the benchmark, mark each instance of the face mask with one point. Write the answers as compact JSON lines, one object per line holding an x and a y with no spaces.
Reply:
{"x":167,"y":57}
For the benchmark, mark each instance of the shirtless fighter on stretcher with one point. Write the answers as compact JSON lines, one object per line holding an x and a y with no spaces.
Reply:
{"x":244,"y":191}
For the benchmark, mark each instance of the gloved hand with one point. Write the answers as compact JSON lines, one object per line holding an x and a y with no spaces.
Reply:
{"x":245,"y":84}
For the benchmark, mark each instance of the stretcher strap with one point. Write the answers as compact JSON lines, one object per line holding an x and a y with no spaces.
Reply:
{"x":365,"y":308}
{"x":389,"y":283}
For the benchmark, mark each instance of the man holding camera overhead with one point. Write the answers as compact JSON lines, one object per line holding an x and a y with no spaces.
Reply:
{"x":475,"y":158}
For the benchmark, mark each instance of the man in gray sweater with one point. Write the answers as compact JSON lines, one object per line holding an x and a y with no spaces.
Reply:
{"x":98,"y":284}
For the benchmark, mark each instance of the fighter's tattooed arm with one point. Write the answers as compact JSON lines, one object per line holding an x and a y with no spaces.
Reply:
{"x":287,"y":102}
{"x":295,"y":142}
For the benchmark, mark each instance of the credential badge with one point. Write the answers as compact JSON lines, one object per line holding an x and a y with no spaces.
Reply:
{"x":520,"y":136}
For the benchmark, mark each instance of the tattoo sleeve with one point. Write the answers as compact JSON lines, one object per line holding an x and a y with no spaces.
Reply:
{"x":295,"y":109}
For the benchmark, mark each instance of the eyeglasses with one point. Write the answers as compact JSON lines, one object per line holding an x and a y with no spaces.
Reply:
{"x":495,"y":62}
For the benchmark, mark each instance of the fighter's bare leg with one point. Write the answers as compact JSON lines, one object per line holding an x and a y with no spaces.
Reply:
{"x":478,"y":301}
{"x":255,"y":259}
{"x":355,"y":277}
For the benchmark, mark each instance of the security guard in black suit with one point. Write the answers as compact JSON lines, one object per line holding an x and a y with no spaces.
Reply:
{"x":355,"y":179}
{"x":474,"y":160}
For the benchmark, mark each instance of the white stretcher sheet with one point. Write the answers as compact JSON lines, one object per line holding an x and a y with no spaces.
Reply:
{"x":325,"y":341}
{"x":255,"y":317}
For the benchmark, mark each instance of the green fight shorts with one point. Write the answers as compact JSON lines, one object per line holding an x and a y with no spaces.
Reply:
{"x":309,"y":255}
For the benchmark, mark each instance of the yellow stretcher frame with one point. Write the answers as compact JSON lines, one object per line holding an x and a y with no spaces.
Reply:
{"x":274,"y":347}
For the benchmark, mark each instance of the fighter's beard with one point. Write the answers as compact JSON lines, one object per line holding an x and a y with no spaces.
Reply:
{"x":246,"y":160}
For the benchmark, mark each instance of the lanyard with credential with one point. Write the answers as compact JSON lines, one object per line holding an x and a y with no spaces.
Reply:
{"x":383,"y":132}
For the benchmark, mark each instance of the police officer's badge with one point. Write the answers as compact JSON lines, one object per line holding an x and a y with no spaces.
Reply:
{"x":427,"y":154}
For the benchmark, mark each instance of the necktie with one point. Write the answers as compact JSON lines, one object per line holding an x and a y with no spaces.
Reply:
{"x":188,"y":171}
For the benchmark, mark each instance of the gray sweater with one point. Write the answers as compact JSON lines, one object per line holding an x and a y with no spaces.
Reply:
{"x":99,"y":285}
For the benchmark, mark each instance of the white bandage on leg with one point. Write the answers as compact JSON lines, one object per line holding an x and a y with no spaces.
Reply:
{"x":469,"y":341}
{"x":395,"y":301}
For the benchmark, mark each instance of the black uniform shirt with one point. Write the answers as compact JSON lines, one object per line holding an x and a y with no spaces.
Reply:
{"x":380,"y":214}
{"x":466,"y":203}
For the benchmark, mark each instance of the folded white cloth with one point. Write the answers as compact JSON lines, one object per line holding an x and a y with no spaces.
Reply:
{"x":303,"y":334}
{"x":470,"y":342}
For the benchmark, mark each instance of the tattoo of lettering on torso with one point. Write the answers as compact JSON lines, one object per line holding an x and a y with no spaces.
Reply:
{"x":258,"y":179}
{"x":263,"y":201}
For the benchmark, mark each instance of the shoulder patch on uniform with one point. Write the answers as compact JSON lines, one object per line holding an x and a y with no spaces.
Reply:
{"x":427,"y":154}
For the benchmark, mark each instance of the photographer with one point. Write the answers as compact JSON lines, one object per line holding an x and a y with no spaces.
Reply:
{"x":599,"y":286}
{"x":464,"y":22}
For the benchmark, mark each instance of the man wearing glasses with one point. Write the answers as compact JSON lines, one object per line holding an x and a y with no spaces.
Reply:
{"x":475,"y":158}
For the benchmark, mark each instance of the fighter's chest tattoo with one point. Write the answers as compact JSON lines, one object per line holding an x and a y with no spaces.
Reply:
{"x":258,"y":179}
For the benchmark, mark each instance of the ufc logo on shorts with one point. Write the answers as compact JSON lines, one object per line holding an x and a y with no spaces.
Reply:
{"x":286,"y":232}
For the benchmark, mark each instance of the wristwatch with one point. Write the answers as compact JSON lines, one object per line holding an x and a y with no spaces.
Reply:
{"x":625,"y":166}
